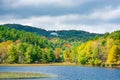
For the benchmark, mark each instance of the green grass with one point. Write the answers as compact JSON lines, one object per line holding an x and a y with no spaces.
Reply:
{"x":22,"y":75}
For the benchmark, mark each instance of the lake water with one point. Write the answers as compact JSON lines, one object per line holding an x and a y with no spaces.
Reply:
{"x":68,"y":72}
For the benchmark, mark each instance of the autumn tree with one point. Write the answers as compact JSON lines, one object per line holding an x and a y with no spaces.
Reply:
{"x":113,"y":54}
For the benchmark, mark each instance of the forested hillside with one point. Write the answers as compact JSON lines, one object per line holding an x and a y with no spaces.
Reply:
{"x":28,"y":29}
{"x":19,"y":46}
{"x":62,"y":34}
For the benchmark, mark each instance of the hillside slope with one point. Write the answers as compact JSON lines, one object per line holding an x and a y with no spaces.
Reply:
{"x":62,"y":34}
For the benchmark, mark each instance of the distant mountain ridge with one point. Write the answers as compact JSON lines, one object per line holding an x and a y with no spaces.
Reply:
{"x":63,"y":34}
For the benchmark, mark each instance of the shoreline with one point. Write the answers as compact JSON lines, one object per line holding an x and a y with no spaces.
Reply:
{"x":56,"y":64}
{"x":45,"y":64}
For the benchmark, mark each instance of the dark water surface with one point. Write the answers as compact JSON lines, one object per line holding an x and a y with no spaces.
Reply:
{"x":68,"y":72}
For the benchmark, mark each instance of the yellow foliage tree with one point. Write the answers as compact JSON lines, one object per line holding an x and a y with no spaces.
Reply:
{"x":113,"y":54}
{"x":88,"y":49}
{"x":4,"y":48}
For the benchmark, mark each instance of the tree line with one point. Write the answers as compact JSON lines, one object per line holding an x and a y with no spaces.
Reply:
{"x":24,"y":47}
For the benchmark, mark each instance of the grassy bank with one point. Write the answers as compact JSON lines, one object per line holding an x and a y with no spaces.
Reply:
{"x":58,"y":64}
{"x":22,"y":75}
{"x":47,"y":64}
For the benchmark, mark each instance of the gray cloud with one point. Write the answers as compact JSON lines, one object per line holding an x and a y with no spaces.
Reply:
{"x":26,"y":8}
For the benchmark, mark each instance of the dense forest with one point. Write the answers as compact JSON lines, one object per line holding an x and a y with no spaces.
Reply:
{"x":22,"y":46}
{"x":70,"y":35}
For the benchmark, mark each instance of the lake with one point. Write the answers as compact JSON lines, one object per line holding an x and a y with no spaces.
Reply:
{"x":68,"y":72}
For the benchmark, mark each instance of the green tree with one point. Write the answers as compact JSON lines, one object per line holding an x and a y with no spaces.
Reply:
{"x":51,"y":55}
{"x":36,"y":54}
{"x":13,"y":55}
{"x":28,"y":54}
{"x":82,"y":58}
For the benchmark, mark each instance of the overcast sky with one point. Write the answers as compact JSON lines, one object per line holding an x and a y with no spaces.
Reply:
{"x":97,"y":16}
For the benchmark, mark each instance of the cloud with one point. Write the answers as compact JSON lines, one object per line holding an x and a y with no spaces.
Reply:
{"x":108,"y":13}
{"x":28,"y":8}
{"x":95,"y":18}
{"x":36,"y":3}
{"x":65,"y":22}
